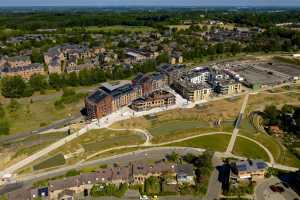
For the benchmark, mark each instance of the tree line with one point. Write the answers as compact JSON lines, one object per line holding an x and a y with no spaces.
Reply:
{"x":17,"y":87}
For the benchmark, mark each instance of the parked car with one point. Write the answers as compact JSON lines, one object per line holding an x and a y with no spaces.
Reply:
{"x":276,"y":188}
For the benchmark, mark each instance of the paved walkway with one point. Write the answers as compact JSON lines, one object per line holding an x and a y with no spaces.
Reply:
{"x":237,"y":125}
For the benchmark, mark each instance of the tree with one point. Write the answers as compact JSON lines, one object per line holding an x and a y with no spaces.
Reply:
{"x":37,"y":56}
{"x":38,"y":82}
{"x":13,"y":105}
{"x":152,"y":185}
{"x":287,"y":109}
{"x":235,"y":48}
{"x":56,"y":81}
{"x":220,"y":48}
{"x":4,"y":127}
{"x":13,"y":87}
{"x":72,"y":79}
{"x":2,"y":111}
{"x":162,"y":58}
{"x":173,"y":156}
{"x":272,"y":115}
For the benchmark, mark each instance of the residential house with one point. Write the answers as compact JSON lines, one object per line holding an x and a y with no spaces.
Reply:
{"x":185,"y":174}
{"x":79,"y":187}
{"x":25,"y":71}
{"x":249,"y":170}
{"x":176,"y":58}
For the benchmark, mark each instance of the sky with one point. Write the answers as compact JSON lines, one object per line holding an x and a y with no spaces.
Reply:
{"x":150,"y":3}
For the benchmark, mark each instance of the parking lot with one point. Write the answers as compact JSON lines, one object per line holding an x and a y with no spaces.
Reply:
{"x":268,"y":73}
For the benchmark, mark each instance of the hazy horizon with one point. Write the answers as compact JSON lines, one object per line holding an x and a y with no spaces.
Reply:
{"x":103,"y":3}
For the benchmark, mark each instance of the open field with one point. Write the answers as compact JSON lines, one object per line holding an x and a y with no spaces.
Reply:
{"x":16,"y":150}
{"x":90,"y":143}
{"x":54,"y":161}
{"x":279,"y":152}
{"x":117,"y":28}
{"x":288,"y":59}
{"x":248,"y":149}
{"x":259,"y":101}
{"x":39,"y":110}
{"x":95,"y":141}
{"x":183,"y":26}
{"x":180,"y":123}
{"x":216,"y":142}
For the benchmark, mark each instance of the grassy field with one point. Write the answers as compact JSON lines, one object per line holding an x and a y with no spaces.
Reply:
{"x":216,"y":142}
{"x":279,"y":152}
{"x":95,"y":141}
{"x":90,"y":143}
{"x":257,"y":103}
{"x":246,"y":148}
{"x":54,"y":161}
{"x":260,"y":101}
{"x":288,"y":59}
{"x":179,"y":123}
{"x":17,"y":150}
{"x":39,"y":110}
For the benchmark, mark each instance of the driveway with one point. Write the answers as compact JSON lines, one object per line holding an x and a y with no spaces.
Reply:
{"x":263,"y":191}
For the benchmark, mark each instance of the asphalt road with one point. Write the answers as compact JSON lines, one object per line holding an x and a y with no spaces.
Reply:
{"x":214,"y":186}
{"x":122,"y":159}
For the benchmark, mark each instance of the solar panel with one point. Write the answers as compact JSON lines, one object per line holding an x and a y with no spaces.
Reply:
{"x":242,"y":167}
{"x":261,"y":165}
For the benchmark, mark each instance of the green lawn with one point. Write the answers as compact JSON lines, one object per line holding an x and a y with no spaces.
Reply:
{"x":247,"y":148}
{"x":173,"y":126}
{"x":216,"y":142}
{"x":107,"y":142}
{"x":54,"y":161}
{"x":95,"y":141}
{"x":39,"y":110}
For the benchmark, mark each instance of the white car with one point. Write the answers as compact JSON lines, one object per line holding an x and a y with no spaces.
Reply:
{"x":144,"y":197}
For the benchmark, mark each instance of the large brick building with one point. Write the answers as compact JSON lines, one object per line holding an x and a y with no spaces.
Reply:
{"x":110,"y":98}
{"x":150,"y":82}
{"x":98,"y":105}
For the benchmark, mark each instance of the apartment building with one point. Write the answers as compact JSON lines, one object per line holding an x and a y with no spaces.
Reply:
{"x":193,"y":92}
{"x":110,"y":97}
{"x":150,"y":82}
{"x":122,"y":93}
{"x":98,"y":104}
{"x":156,"y":99}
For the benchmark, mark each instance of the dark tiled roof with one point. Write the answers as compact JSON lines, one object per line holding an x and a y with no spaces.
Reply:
{"x":97,"y":96}
{"x":119,"y":91}
{"x":186,"y":169}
